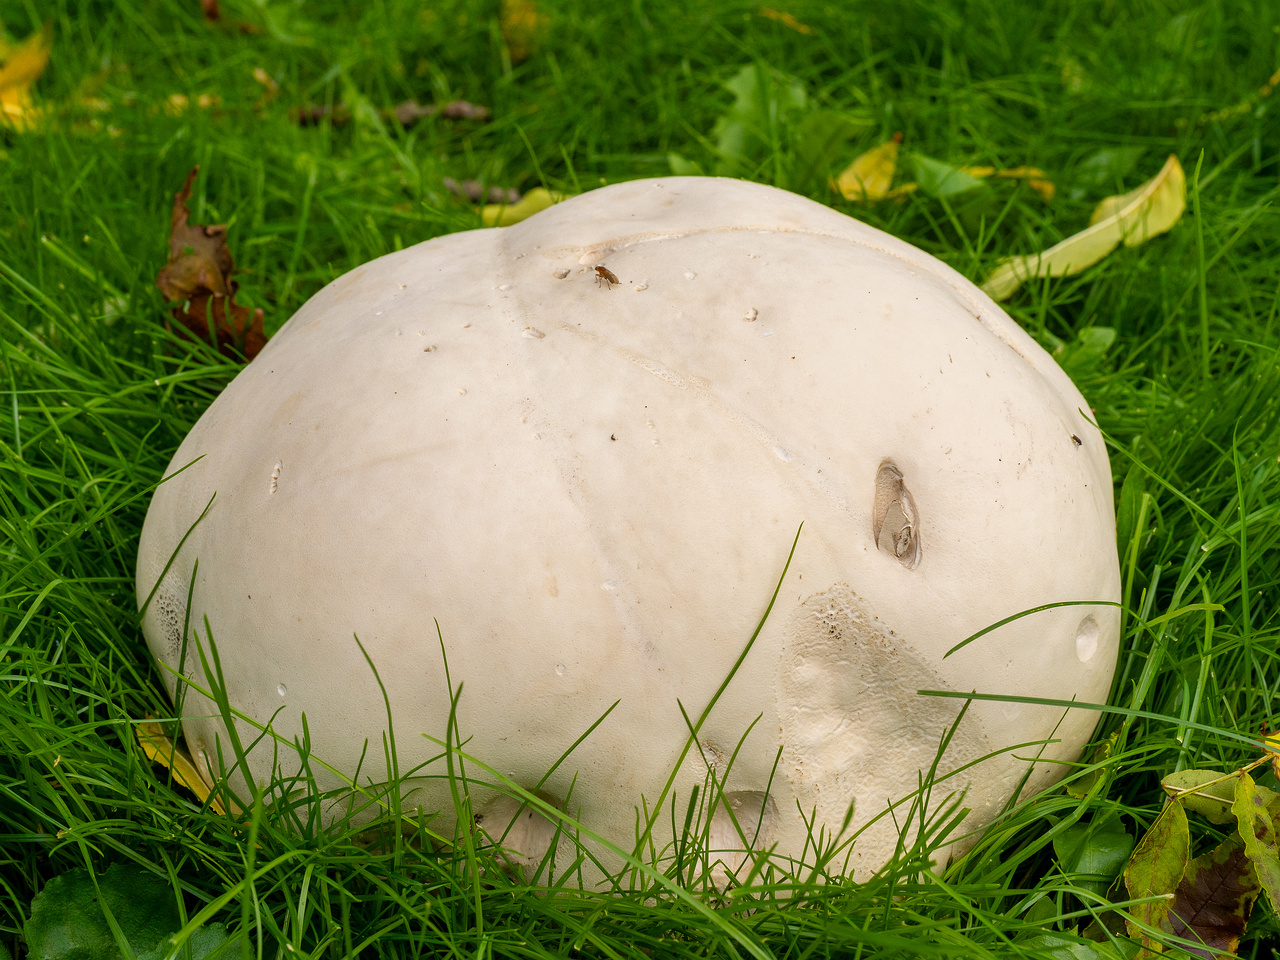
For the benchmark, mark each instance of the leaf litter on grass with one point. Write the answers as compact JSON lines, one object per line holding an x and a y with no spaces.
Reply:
{"x":1130,"y":218}
{"x":198,"y":278}
{"x":21,"y":65}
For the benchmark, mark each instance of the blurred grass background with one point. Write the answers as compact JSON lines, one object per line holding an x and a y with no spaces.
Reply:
{"x":1173,"y":342}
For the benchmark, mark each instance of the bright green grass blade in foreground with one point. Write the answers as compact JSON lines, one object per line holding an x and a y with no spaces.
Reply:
{"x":1174,"y":342}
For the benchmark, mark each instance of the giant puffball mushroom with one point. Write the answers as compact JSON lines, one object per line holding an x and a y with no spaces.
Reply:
{"x":593,"y":488}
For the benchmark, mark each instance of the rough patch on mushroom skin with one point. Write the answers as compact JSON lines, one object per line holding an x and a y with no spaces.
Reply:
{"x":169,"y":608}
{"x":853,"y":727}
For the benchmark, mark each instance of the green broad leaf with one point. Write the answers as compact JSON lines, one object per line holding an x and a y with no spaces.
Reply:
{"x":1156,"y":868}
{"x":1080,"y":787}
{"x":69,"y":918}
{"x":680,"y":167}
{"x":1106,"y":168}
{"x":1095,"y":852}
{"x":1258,"y":831}
{"x":1055,"y":946}
{"x":207,"y":943}
{"x":1211,"y":905}
{"x":1128,"y":509}
{"x":820,"y":139}
{"x":942,"y":180}
{"x":1087,"y":352}
{"x":749,"y":129}
{"x":1212,"y":794}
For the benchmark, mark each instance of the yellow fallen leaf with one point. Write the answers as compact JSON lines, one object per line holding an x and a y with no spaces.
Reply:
{"x":1271,"y":741}
{"x":1034,"y":177}
{"x":23,"y":64}
{"x":522,"y":24}
{"x":505,"y":214}
{"x":160,"y":749}
{"x":1130,"y":218}
{"x":870,"y":176}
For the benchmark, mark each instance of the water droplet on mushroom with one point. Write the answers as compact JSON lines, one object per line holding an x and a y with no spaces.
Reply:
{"x":462,"y":392}
{"x":532,"y":333}
{"x":281,"y":689}
{"x":504,"y":286}
{"x":689,"y":274}
{"x":275,"y":477}
{"x":609,"y":585}
{"x":894,"y":521}
{"x":766,"y":333}
{"x":781,"y":454}
{"x":561,"y":273}
{"x":752,"y":256}
{"x":1087,"y":639}
{"x":642,"y":285}
{"x":751,"y":315}
{"x":559,"y":669}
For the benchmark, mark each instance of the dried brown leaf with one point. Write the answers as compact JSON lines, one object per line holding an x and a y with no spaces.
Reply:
{"x":198,"y":278}
{"x":1211,"y":905}
{"x":476,"y":192}
{"x":410,"y":112}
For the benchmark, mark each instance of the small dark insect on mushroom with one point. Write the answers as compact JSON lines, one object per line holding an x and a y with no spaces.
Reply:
{"x":1077,"y":441}
{"x":605,"y":274}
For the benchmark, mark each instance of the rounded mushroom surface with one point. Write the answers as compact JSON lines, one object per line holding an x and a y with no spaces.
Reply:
{"x":592,"y":480}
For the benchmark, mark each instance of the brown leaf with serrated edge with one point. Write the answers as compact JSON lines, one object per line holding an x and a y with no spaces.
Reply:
{"x":198,"y":278}
{"x":1211,"y":905}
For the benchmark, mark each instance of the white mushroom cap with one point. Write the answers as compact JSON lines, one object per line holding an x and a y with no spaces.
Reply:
{"x":593,"y":490}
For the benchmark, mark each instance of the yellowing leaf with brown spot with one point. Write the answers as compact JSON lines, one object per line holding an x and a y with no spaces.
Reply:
{"x":22,"y":65}
{"x":522,"y":24}
{"x":870,"y":176}
{"x":160,"y":749}
{"x":1130,"y":218}
{"x":505,"y":214}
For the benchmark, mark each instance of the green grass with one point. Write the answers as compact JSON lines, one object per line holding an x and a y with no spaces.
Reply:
{"x":95,"y":397}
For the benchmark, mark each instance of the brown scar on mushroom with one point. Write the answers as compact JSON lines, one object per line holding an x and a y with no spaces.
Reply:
{"x":894,"y":520}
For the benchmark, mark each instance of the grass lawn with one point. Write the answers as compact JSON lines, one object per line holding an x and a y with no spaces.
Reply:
{"x":1174,"y":342}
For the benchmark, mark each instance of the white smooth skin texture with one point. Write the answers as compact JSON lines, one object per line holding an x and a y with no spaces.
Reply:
{"x":593,"y":489}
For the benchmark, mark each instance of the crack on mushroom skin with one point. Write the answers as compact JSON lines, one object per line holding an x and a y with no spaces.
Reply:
{"x":895,"y":522}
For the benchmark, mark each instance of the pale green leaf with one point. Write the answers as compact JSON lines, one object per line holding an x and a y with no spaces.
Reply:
{"x":1157,"y":866}
{"x":1258,"y":831}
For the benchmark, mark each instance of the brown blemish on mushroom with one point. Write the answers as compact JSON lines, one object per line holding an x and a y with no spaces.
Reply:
{"x":895,"y":523}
